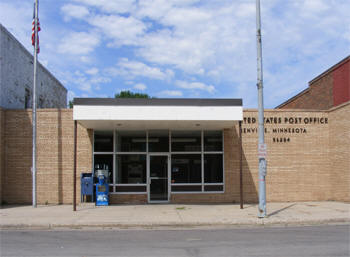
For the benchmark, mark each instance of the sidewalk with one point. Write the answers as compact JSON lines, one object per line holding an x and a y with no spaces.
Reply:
{"x":171,"y":215}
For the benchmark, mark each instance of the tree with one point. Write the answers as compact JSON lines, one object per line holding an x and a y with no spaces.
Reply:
{"x":129,"y":94}
{"x":70,"y":104}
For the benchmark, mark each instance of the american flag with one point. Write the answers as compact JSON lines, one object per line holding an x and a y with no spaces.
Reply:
{"x":33,"y":31}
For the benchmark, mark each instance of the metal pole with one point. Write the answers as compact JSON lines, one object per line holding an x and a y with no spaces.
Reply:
{"x":34,"y":106}
{"x":240,"y":166}
{"x":75,"y":168}
{"x":261,"y":145}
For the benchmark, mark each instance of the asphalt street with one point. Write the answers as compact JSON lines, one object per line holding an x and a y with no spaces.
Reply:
{"x":327,"y":240}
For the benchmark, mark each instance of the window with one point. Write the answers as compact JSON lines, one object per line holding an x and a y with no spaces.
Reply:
{"x":186,"y":168}
{"x":103,"y":141}
{"x":213,"y":168}
{"x":197,"y":166}
{"x":131,"y":141}
{"x":158,"y":141}
{"x":103,"y":163}
{"x":131,"y":169}
{"x":27,"y":99}
{"x":196,"y":159}
{"x":41,"y":102}
{"x":212,"y":141}
{"x":186,"y":141}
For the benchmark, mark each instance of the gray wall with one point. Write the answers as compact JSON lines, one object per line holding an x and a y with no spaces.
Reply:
{"x":16,"y":74}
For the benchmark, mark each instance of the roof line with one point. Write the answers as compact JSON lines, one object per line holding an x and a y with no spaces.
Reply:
{"x":293,"y":98}
{"x":346,"y":59}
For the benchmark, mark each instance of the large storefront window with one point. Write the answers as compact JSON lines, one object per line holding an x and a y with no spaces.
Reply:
{"x":213,"y":168}
{"x":185,"y":141}
{"x":196,"y":159}
{"x":186,"y":168}
{"x":131,"y":141}
{"x":158,"y":141}
{"x":103,"y":141}
{"x":131,"y":169}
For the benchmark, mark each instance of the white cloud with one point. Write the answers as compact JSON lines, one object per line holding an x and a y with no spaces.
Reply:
{"x":131,"y":69}
{"x":85,"y":59}
{"x":204,"y":42}
{"x":170,"y":93}
{"x":92,"y":71}
{"x":195,"y":85}
{"x":122,"y":30}
{"x":74,"y":11}
{"x":79,"y":43}
{"x":120,"y":6}
{"x":99,"y":80}
{"x":140,"y":86}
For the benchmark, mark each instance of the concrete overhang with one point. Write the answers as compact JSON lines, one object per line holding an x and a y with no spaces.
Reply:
{"x":138,"y":113}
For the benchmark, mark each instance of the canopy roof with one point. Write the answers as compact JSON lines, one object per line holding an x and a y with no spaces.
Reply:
{"x":157,"y":113}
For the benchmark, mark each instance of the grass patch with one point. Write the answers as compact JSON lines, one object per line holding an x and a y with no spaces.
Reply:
{"x":180,"y":208}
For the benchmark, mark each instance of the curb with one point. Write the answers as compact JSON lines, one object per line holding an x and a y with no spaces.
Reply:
{"x":174,"y":226}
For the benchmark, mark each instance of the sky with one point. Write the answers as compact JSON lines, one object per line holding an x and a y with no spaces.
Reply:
{"x":184,"y":48}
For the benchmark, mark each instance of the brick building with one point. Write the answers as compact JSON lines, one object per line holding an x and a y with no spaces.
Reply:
{"x":16,"y":78}
{"x":308,"y":157}
{"x":327,"y":90}
{"x":200,"y":146}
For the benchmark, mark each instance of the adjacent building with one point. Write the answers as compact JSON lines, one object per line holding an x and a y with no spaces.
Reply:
{"x":16,"y":78}
{"x":329,"y":89}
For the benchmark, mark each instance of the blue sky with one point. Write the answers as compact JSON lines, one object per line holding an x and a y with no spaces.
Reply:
{"x":184,"y":48}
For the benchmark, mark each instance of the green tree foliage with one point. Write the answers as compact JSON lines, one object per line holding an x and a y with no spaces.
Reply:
{"x":70,"y":104}
{"x":129,"y":94}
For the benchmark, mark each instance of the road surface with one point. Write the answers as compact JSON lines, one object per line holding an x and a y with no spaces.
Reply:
{"x":330,"y":240}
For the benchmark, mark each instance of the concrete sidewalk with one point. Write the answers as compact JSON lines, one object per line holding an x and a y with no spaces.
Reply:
{"x":171,"y":215}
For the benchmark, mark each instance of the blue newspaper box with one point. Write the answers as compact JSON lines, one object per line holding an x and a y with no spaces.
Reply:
{"x":102,"y":191}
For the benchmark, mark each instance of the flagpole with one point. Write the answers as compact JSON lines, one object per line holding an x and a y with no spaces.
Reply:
{"x":34,"y":103}
{"x":261,"y":141}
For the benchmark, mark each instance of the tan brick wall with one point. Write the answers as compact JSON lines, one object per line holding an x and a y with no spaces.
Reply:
{"x":298,"y":169}
{"x":339,"y":147}
{"x":309,"y":166}
{"x":55,"y":156}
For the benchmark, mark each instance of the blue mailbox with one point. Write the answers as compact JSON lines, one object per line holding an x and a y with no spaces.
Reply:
{"x":102,"y":191}
{"x":86,"y":186}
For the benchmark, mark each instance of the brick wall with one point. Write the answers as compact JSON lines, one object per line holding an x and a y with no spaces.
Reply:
{"x":329,"y":89}
{"x":2,"y":149}
{"x":55,"y":156}
{"x":341,"y":83}
{"x":319,"y":96}
{"x":339,"y":147}
{"x":297,"y":161}
{"x":307,"y":158}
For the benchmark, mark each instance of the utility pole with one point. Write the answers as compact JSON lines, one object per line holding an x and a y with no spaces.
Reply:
{"x":34,"y":103}
{"x":261,"y":144}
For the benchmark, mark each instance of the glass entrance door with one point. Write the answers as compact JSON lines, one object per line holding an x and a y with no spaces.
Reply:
{"x":158,"y":183}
